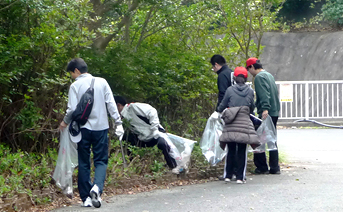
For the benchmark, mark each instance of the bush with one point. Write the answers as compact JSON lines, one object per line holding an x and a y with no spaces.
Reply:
{"x":23,"y":172}
{"x":332,"y":11}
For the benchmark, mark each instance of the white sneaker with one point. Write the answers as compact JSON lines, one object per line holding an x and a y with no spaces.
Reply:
{"x":87,"y":203}
{"x":176,"y":170}
{"x":227,"y":180}
{"x":94,"y":193}
{"x":241,"y":181}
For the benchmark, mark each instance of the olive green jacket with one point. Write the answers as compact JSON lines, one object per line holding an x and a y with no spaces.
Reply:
{"x":267,"y":95}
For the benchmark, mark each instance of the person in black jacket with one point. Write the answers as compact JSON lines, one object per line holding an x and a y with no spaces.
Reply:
{"x":224,"y":81}
{"x":224,"y":75}
{"x":237,"y":95}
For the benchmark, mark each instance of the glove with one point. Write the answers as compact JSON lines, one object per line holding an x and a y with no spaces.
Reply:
{"x":119,"y":131}
{"x":215,"y":115}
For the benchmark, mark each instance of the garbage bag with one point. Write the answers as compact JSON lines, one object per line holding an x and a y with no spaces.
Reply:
{"x":180,"y":149}
{"x":267,"y":135}
{"x":66,"y":163}
{"x":209,"y":142}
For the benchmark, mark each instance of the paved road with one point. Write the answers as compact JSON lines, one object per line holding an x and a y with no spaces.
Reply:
{"x":311,"y":182}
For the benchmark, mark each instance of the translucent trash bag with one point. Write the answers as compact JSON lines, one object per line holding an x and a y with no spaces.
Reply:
{"x":180,"y":149}
{"x":185,"y":147}
{"x":66,"y":163}
{"x":209,"y":142}
{"x":267,"y":135}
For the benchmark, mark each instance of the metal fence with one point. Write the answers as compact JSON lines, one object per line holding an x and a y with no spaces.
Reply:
{"x":311,"y":99}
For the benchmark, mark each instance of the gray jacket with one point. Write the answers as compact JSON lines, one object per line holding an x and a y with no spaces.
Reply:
{"x":238,"y":127}
{"x":236,"y":96}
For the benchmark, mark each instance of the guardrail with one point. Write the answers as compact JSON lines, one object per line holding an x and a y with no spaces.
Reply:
{"x":311,"y":99}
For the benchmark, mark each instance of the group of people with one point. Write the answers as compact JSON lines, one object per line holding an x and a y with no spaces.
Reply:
{"x":235,"y":104}
{"x":145,"y":128}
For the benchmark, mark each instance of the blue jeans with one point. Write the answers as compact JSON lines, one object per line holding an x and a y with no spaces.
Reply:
{"x":98,"y":141}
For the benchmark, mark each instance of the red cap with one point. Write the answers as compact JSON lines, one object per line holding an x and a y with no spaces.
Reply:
{"x":240,"y":70}
{"x":251,"y":61}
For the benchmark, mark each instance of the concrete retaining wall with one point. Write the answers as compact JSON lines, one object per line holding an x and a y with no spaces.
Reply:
{"x":303,"y":56}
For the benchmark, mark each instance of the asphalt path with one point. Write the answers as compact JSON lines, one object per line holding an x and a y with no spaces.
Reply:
{"x":311,"y":180}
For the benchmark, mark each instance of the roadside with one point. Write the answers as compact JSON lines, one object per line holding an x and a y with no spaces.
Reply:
{"x":311,"y":182}
{"x":138,"y":184}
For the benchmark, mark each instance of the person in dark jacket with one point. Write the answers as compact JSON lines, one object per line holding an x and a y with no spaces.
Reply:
{"x":267,"y":103}
{"x":224,"y":75}
{"x":224,"y":81}
{"x":238,"y":130}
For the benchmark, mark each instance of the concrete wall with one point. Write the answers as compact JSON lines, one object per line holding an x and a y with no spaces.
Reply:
{"x":303,"y":56}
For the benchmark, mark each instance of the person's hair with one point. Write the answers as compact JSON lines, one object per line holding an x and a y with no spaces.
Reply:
{"x":218,"y":59}
{"x":78,"y":63}
{"x":258,"y":64}
{"x":240,"y":79}
{"x":120,"y":100}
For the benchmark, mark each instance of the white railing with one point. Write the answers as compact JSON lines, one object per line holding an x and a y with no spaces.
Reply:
{"x":311,"y":99}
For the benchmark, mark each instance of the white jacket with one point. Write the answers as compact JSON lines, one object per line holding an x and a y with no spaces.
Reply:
{"x":103,"y":102}
{"x":145,"y":131}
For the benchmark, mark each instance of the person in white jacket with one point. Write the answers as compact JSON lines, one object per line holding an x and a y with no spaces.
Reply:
{"x":145,"y":128}
{"x":94,"y":133}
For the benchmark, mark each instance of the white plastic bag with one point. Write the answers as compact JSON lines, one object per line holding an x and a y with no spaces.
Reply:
{"x":267,"y":135}
{"x":185,"y":146}
{"x":209,"y":142}
{"x":66,"y":163}
{"x":180,"y":149}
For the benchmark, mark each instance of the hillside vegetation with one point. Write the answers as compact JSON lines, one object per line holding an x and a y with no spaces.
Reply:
{"x":154,"y":51}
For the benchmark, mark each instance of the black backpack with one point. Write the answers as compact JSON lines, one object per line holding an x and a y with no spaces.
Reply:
{"x":85,"y":105}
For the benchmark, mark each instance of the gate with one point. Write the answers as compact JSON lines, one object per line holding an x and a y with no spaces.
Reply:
{"x":310,"y":99}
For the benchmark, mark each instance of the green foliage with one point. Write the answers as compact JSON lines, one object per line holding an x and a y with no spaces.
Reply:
{"x":156,"y":166}
{"x":152,"y":51}
{"x":332,"y":11}
{"x":198,"y":160}
{"x":294,"y":11}
{"x":22,"y":172}
{"x":37,"y":38}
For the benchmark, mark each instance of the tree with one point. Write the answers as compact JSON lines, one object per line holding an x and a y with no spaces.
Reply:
{"x":242,"y":24}
{"x":154,"y":51}
{"x":332,"y":12}
{"x":37,"y":38}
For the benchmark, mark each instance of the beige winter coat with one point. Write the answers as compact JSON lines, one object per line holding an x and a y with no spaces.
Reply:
{"x":238,"y":127}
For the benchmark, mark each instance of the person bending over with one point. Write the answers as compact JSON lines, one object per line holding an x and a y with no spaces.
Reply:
{"x":145,"y":128}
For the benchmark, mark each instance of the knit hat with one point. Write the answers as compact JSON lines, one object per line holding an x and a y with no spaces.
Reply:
{"x":241,"y":70}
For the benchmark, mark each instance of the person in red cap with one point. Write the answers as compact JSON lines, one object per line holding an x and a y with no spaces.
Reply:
{"x":267,"y":103}
{"x":238,"y":130}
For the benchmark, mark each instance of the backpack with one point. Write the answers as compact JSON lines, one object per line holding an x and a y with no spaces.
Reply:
{"x":85,"y":105}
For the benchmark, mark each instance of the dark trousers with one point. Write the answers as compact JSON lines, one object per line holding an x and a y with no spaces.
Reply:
{"x":260,"y":160}
{"x":98,"y":141}
{"x":236,"y":158}
{"x":160,"y":142}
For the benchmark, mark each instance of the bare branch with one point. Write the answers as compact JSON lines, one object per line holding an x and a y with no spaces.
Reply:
{"x":157,"y":30}
{"x":4,"y":8}
{"x":101,"y":43}
{"x":148,"y":16}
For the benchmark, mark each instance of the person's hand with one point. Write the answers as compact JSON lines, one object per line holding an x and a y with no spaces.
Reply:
{"x":62,"y":126}
{"x":119,"y":131}
{"x":264,"y":114}
{"x":215,"y":115}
